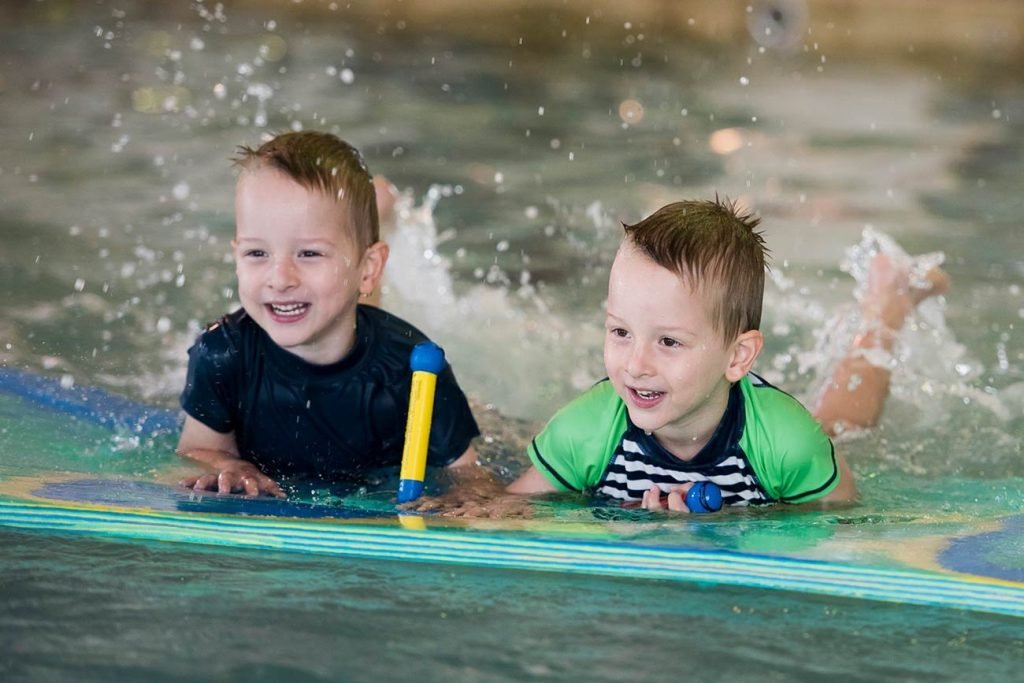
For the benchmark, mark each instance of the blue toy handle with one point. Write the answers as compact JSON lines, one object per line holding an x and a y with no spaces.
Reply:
{"x":427,"y":357}
{"x":704,"y":496}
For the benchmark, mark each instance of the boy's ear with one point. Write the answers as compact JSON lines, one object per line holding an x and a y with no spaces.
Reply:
{"x":745,"y":351}
{"x":374,"y":260}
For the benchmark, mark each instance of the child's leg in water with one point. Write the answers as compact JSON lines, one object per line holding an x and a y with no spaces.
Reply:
{"x":854,"y":395}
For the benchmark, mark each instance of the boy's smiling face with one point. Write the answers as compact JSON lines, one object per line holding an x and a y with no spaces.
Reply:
{"x":299,"y":270}
{"x":663,"y":355}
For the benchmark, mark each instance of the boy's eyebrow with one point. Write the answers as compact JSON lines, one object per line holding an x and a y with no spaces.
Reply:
{"x":302,"y":242}
{"x":677,"y":331}
{"x":667,"y":329}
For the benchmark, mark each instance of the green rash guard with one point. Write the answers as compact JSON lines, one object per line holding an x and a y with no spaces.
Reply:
{"x":767,"y":448}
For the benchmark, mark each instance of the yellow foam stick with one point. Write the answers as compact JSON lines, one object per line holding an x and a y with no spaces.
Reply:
{"x":426,"y":362}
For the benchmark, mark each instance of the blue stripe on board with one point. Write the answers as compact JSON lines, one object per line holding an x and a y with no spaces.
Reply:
{"x":129,"y":493}
{"x":90,"y":404}
{"x":515,"y":552}
{"x":973,"y":554}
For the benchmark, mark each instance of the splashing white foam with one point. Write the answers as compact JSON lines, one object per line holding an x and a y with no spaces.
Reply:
{"x":506,"y":346}
{"x":928,"y":364}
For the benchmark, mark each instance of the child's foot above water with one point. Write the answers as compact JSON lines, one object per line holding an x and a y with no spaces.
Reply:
{"x":893,"y":289}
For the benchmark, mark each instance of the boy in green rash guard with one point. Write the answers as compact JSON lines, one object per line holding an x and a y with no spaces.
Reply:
{"x":680,"y":403}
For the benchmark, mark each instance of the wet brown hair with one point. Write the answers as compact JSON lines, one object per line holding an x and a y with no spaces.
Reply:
{"x":324,"y":163}
{"x":714,"y":247}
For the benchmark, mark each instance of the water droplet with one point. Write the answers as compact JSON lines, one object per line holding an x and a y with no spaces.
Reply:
{"x":631,"y":111}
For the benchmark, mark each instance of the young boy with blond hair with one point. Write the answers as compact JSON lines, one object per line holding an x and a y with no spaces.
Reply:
{"x":304,"y":380}
{"x":681,"y":404}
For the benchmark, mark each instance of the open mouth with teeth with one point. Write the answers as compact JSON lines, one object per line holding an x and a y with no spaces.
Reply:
{"x":289,"y":312}
{"x":645,"y":398}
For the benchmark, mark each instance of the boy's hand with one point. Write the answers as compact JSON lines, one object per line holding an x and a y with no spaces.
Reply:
{"x":468,"y":504}
{"x":219,"y":452}
{"x":675,"y":501}
{"x":474,"y":493}
{"x":242,"y":477}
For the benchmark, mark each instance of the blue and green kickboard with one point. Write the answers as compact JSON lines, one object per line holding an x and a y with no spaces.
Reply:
{"x":980,"y":571}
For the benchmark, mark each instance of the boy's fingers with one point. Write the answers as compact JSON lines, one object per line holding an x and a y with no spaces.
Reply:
{"x":250,"y":486}
{"x":273,"y":488}
{"x":226,"y":482}
{"x":652,"y":498}
{"x":230,"y":481}
{"x":676,"y":501}
{"x":205,"y":482}
{"x":421,"y":505}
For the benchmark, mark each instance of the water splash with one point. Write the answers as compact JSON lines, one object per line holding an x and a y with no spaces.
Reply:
{"x":505,"y":344}
{"x":858,"y":257}
{"x":930,"y":368}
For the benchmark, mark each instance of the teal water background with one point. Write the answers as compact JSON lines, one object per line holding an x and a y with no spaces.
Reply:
{"x":520,"y":144}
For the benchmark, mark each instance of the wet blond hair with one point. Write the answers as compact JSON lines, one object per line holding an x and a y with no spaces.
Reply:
{"x":714,"y":247}
{"x":325,"y":163}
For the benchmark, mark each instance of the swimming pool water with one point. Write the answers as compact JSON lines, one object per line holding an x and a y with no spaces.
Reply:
{"x":164,"y":612}
{"x":521,"y":143}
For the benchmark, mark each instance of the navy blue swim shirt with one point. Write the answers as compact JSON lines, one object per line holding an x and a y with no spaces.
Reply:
{"x":294,"y":418}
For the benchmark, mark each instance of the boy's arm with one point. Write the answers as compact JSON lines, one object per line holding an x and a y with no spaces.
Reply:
{"x":470,"y":475}
{"x":475,"y":492}
{"x":470,"y":479}
{"x":846,"y":490}
{"x":219,"y":452}
{"x":531,"y":482}
{"x":466,"y":459}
